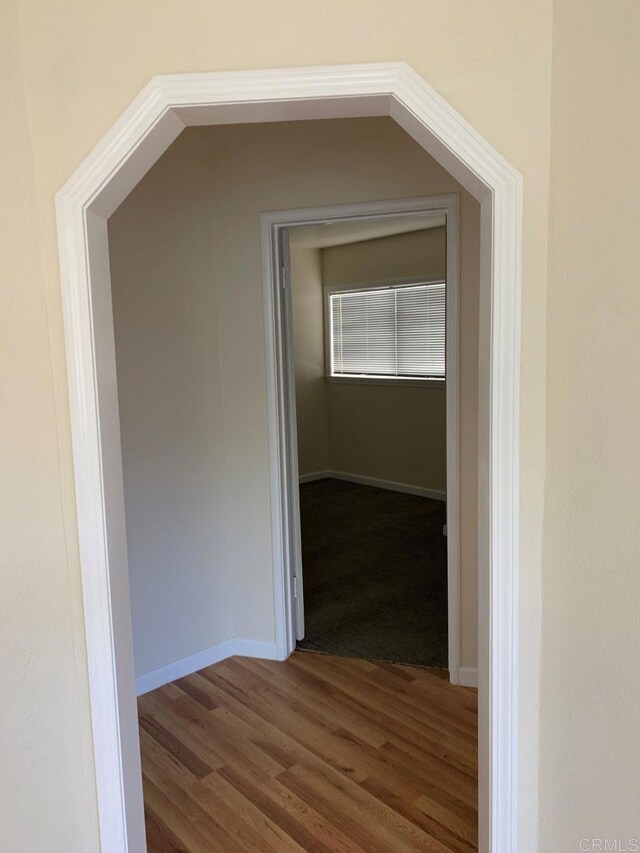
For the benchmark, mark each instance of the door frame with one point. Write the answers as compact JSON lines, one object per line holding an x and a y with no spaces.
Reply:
{"x":283,"y":451}
{"x":143,"y":132}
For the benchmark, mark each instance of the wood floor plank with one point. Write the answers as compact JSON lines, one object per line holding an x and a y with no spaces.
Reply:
{"x":180,"y":820}
{"x":215,"y":791}
{"x":459,"y":784}
{"x":347,"y":687}
{"x":407,"y":808}
{"x":446,"y":746}
{"x":311,"y":834}
{"x":151,"y":749}
{"x":319,"y":702}
{"x":346,"y":814}
{"x":219,"y":799}
{"x":162,"y":711}
{"x":320,"y":754}
{"x":344,"y":798}
{"x":380,"y":726}
{"x":160,"y":839}
{"x":422,"y":683}
{"x":319,"y":739}
{"x":407,"y":699}
{"x":239,"y":752}
{"x":463,"y":826}
{"x":199,"y":728}
{"x":414,"y":716}
{"x":189,"y":686}
{"x":174,"y":745}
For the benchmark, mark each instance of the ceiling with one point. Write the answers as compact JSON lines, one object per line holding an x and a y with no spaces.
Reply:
{"x":324,"y":234}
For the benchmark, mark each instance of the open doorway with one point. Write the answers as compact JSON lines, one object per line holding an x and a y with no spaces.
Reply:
{"x":84,"y":205}
{"x":183,"y":249}
{"x":368,"y":300}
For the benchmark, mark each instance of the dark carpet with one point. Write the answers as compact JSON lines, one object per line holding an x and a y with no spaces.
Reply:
{"x":374,"y":572}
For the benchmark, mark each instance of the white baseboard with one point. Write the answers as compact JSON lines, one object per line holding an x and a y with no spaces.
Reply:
{"x":186,"y":666}
{"x":255,"y":649}
{"x":316,"y":475}
{"x":468,"y":676}
{"x":434,"y":494}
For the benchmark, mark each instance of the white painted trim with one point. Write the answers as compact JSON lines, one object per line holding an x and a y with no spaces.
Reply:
{"x":469,"y":676}
{"x":283,"y":439}
{"x":313,"y":476}
{"x":403,"y":381}
{"x":247,"y":648}
{"x":377,"y":483}
{"x":452,"y":405}
{"x":148,"y":126}
{"x":407,"y":488}
{"x":186,"y":666}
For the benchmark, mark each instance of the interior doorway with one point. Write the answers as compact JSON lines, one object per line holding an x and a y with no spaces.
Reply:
{"x":84,"y":204}
{"x":367,"y":314}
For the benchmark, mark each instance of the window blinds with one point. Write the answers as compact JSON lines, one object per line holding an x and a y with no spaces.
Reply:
{"x":396,"y":331}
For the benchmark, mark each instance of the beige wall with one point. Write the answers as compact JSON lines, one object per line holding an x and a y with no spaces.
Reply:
{"x":47,"y":799}
{"x":308,"y":343}
{"x":71,"y":68}
{"x":590,"y":724}
{"x":389,"y":432}
{"x":392,"y":258}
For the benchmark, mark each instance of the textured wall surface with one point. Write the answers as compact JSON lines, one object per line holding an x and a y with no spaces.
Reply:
{"x":72,"y":67}
{"x":590,"y":726}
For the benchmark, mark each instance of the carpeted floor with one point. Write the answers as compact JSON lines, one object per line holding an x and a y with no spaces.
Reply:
{"x":375,"y":573}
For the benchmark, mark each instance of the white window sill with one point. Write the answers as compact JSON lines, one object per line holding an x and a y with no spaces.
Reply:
{"x":403,"y":381}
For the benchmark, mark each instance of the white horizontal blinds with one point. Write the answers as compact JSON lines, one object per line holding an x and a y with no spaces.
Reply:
{"x":389,"y":331}
{"x":364,"y":332}
{"x":421,"y":330}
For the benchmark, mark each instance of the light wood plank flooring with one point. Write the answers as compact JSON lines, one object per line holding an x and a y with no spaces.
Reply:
{"x":318,"y":753}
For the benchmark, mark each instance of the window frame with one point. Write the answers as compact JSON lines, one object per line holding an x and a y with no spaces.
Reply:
{"x":371,"y":379}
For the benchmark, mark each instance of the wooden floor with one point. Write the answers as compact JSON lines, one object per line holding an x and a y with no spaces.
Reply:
{"x":318,"y":753}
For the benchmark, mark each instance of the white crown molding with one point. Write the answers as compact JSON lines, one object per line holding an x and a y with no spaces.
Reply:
{"x":136,"y":140}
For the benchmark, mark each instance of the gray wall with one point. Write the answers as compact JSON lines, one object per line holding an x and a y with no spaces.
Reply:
{"x":186,"y":271}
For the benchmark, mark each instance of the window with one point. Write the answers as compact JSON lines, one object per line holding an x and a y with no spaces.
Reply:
{"x":389,"y":333}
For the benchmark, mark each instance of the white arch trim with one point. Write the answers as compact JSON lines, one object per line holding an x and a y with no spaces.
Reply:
{"x":145,"y":130}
